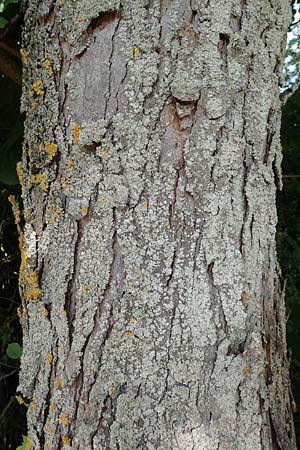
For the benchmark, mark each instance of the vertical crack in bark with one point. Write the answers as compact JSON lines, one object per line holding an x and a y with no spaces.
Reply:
{"x":70,"y":301}
{"x":108,"y":95}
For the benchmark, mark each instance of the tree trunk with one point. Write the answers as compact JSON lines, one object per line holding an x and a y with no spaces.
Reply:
{"x":153,"y":310}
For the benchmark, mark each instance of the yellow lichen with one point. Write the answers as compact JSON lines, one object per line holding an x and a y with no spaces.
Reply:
{"x":63,"y":312}
{"x":19,"y":314}
{"x":46,"y":446}
{"x":57,"y":383}
{"x":47,"y":65}
{"x":144,"y":205}
{"x":49,"y":207}
{"x":52,"y":406}
{"x":76,"y":134}
{"x":135,"y":52}
{"x":34,"y":292}
{"x":23,"y":260}
{"x":84,"y":211}
{"x":30,"y":152}
{"x":36,"y":87}
{"x":51,"y":150}
{"x":129,"y":333}
{"x":39,"y":179}
{"x":54,"y":216}
{"x":245,"y":370}
{"x":132,"y":320}
{"x":44,"y":313}
{"x":31,"y":406}
{"x":63,"y":183}
{"x":19,"y":169}
{"x":15,"y":208}
{"x":69,"y":164}
{"x":24,"y":55}
{"x":66,"y":440}
{"x":105,"y":152}
{"x":49,"y":360}
{"x":20,"y":400}
{"x":111,"y":388}
{"x":63,"y":419}
{"x":27,"y":213}
{"x":101,"y":200}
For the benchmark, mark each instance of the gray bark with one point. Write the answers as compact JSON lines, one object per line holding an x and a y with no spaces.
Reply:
{"x":153,"y":310}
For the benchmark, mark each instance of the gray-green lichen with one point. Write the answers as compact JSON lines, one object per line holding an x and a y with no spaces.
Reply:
{"x":152,"y":226}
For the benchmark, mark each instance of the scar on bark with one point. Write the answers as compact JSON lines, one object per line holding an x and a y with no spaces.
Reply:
{"x":100,"y":22}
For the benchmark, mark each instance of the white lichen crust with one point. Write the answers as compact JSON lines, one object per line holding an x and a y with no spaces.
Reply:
{"x":150,"y":165}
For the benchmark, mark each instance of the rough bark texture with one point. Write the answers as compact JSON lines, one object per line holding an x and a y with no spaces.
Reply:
{"x":153,"y":310}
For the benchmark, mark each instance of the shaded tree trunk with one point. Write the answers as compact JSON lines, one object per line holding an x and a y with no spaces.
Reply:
{"x":153,"y":311}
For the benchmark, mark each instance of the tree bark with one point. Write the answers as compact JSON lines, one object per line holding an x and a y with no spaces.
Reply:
{"x":152,"y":304}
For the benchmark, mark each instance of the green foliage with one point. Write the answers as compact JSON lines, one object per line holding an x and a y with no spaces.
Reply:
{"x":14,"y":350}
{"x":23,"y":446}
{"x":288,"y":236}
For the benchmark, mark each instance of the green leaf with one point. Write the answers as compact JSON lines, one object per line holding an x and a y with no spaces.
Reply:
{"x":24,"y":443}
{"x":3,"y":22}
{"x":14,"y":350}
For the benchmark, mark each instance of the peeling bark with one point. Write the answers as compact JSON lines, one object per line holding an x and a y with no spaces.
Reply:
{"x":152,"y":305}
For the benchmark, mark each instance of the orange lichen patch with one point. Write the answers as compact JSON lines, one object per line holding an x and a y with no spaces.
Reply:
{"x":57,"y":383}
{"x":105,"y":152}
{"x":135,"y":52}
{"x":144,"y":205}
{"x":69,"y":164}
{"x":66,"y":440}
{"x":51,"y":150}
{"x":15,"y":208}
{"x":111,"y":389}
{"x":48,"y":360}
{"x":49,"y":207}
{"x":44,"y":313}
{"x":20,"y":400}
{"x":55,"y":216}
{"x":48,"y":430}
{"x":84,"y":211}
{"x":128,"y":333}
{"x":19,"y":314}
{"x":39,"y":179}
{"x":76,"y":134}
{"x":19,"y":170}
{"x":63,"y":183}
{"x":47,"y":65}
{"x":24,"y":55}
{"x":31,"y":406}
{"x":34,"y":292}
{"x":27,"y":213}
{"x":23,"y":260}
{"x":37,"y":87}
{"x":63,"y":419}
{"x":245,"y":370}
{"x":78,"y":20}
